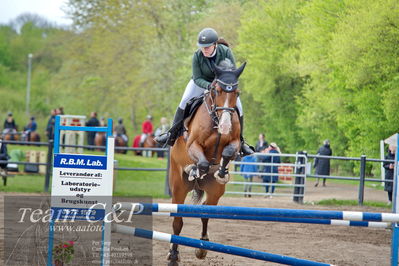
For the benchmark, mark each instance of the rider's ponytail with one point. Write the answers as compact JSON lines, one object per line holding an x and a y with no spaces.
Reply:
{"x":221,"y":40}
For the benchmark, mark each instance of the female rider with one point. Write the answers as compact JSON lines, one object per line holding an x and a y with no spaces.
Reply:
{"x":211,"y":50}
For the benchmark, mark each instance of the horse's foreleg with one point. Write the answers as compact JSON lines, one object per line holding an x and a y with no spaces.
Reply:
{"x":229,"y":152}
{"x":196,"y":153}
{"x":212,"y":198}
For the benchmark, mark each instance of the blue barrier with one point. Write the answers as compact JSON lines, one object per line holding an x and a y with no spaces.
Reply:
{"x":277,"y":219}
{"x":196,"y":243}
{"x":146,"y":208}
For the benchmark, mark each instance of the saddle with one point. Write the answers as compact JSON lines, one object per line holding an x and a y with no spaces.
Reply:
{"x":191,"y":108}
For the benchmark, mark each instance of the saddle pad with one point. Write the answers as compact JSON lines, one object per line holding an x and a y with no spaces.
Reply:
{"x":191,"y":107}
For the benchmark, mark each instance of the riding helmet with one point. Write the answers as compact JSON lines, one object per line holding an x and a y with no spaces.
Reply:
{"x":207,"y":37}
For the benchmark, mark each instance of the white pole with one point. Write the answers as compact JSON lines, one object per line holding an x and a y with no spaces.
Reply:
{"x":28,"y":83}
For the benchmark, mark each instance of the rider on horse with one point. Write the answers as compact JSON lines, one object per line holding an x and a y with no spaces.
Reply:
{"x":9,"y":125}
{"x":212,"y":51}
{"x":120,"y":130}
{"x":146,"y":129}
{"x":30,"y":127}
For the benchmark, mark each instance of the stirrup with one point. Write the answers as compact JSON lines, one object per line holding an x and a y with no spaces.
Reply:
{"x":246,"y":149}
{"x":163,"y":138}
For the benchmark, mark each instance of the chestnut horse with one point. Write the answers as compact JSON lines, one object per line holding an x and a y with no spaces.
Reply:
{"x":149,"y":143}
{"x":11,"y":136}
{"x":120,"y":142}
{"x":199,"y":160}
{"x":34,"y":137}
{"x":100,"y":140}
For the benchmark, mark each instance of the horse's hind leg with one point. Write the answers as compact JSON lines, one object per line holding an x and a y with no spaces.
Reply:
{"x":173,"y":256}
{"x":179,"y":193}
{"x":212,"y":198}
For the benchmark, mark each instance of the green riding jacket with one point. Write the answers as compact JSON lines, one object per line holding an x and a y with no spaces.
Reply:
{"x":202,"y":69}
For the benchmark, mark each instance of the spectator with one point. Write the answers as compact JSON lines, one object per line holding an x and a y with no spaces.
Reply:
{"x":270,"y":169}
{"x":146,"y":129}
{"x":120,"y":130}
{"x":60,"y":110}
{"x":261,"y":144}
{"x":162,"y":129}
{"x":93,"y":122}
{"x":102,"y":122}
{"x":51,"y":124}
{"x":322,"y":165}
{"x":248,"y":171}
{"x":9,"y":125}
{"x":389,"y":168}
{"x":3,"y":157}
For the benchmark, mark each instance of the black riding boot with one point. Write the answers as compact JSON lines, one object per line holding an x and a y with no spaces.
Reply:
{"x":173,"y":133}
{"x":245,"y":148}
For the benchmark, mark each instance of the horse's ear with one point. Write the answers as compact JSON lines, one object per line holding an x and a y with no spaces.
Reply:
{"x":239,"y":71}
{"x":218,"y":71}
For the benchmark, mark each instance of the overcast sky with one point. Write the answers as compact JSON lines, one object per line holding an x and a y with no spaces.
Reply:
{"x":49,"y":9}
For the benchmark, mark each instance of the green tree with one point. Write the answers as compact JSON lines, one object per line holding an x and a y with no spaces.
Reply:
{"x":267,"y":42}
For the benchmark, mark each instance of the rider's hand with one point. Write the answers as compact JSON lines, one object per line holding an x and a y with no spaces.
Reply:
{"x":212,"y":85}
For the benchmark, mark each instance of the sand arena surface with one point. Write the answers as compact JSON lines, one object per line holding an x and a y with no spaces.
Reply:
{"x":337,"y":245}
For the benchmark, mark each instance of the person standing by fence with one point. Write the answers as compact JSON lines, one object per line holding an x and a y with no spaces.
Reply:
{"x":322,"y":165}
{"x":261,"y":144}
{"x":389,"y":168}
{"x":51,"y":124}
{"x":3,"y":157}
{"x":93,"y":122}
{"x":248,"y":171}
{"x":270,"y":158}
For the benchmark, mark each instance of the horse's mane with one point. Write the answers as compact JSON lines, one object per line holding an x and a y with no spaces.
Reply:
{"x":226,"y":65}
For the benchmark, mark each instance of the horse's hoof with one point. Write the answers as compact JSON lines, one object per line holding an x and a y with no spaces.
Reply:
{"x":221,"y":180}
{"x":173,"y":257}
{"x":192,"y":171}
{"x":200,"y":253}
{"x":188,"y":168}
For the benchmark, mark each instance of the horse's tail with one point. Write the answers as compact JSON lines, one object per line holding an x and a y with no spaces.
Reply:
{"x":198,"y":193}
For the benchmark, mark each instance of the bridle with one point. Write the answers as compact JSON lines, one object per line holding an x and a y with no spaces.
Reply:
{"x":213,"y":113}
{"x":213,"y":108}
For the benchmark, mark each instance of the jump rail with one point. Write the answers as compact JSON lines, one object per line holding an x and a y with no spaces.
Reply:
{"x":277,"y":219}
{"x":147,"y":208}
{"x":196,"y":243}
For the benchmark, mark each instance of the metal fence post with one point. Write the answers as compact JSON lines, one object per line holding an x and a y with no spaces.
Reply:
{"x":299,"y":180}
{"x":167,"y":191}
{"x":362,"y":177}
{"x":48,"y":166}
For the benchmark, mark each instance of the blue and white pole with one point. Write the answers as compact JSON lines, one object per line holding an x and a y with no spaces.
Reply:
{"x":148,"y":208}
{"x":276,"y":219}
{"x":196,"y":243}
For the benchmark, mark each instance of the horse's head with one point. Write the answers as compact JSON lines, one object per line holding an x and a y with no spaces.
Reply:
{"x":226,"y":93}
